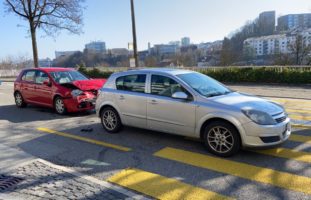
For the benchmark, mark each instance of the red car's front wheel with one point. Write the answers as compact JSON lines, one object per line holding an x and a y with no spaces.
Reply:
{"x":59,"y":106}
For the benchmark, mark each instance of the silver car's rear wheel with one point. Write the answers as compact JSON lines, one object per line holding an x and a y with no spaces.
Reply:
{"x":110,"y":120}
{"x":222,"y":138}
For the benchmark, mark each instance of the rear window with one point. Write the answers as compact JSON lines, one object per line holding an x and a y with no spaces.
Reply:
{"x":132,"y":83}
{"x":29,"y":76}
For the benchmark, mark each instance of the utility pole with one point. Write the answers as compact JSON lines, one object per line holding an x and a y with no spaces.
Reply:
{"x":134,"y":34}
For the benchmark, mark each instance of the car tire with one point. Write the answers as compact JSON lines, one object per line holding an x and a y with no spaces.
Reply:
{"x":19,"y":100}
{"x":59,"y":106}
{"x":110,"y":120}
{"x":222,"y":138}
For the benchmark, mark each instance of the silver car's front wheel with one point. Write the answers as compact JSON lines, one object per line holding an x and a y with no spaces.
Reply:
{"x":110,"y":120}
{"x":221,"y":138}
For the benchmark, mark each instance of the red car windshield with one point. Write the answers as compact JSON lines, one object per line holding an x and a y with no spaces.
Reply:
{"x":67,"y":76}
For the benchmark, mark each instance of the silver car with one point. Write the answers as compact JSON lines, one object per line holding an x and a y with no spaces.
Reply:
{"x":191,"y":104}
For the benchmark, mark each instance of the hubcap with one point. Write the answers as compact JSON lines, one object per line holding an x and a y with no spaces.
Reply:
{"x":18,"y":99}
{"x":59,"y":106}
{"x":109,"y":119}
{"x":220,"y":139}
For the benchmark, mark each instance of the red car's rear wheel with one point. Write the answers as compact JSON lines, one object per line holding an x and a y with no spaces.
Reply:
{"x":19,"y":100}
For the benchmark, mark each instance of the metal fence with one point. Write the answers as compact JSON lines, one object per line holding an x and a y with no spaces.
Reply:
{"x":214,"y":68}
{"x":8,"y":73}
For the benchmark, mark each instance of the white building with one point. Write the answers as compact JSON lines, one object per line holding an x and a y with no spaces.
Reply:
{"x":47,"y":62}
{"x":96,"y":46}
{"x":64,"y":53}
{"x":185,"y":41}
{"x":119,"y":52}
{"x":274,"y":44}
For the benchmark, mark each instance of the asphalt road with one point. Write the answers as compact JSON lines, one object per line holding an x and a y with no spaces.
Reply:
{"x":157,"y":164}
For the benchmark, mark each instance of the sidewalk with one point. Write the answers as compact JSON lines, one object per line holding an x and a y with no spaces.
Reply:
{"x":7,"y":79}
{"x":24,"y":177}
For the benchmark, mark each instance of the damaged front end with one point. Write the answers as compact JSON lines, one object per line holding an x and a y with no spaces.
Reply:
{"x":79,"y":100}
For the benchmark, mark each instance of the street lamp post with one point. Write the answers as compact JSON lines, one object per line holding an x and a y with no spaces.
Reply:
{"x":134,"y":34}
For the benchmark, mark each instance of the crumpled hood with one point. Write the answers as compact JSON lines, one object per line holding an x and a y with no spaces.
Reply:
{"x":92,"y":84}
{"x":244,"y":101}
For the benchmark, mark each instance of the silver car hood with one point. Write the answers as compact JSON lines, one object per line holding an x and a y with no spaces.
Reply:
{"x":244,"y":101}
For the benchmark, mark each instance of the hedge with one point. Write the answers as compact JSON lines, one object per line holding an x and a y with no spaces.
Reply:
{"x":282,"y":75}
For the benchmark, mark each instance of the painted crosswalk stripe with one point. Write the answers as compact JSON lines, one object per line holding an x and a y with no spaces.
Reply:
{"x":161,"y":187}
{"x":304,"y":126}
{"x":300,"y":117}
{"x":242,"y":170}
{"x":298,"y":111}
{"x":300,"y":138}
{"x":287,"y":153}
{"x":84,"y":139}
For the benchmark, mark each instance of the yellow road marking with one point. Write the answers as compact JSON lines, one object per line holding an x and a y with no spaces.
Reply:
{"x":300,"y":117}
{"x":298,"y":111}
{"x":84,"y":139}
{"x":287,"y":153}
{"x":301,"y":126}
{"x":247,"y":171}
{"x":161,"y":187}
{"x":292,"y":100}
{"x":300,"y":138}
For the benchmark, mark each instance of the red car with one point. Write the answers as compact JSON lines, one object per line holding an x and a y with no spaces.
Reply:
{"x":64,"y":89}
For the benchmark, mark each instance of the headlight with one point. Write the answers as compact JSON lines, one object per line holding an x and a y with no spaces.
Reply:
{"x":75,"y":93}
{"x":259,"y":117}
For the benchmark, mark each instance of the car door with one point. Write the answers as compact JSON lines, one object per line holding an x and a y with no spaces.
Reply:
{"x":28,"y":85}
{"x":131,"y":99}
{"x":165,"y":113}
{"x":43,"y":93}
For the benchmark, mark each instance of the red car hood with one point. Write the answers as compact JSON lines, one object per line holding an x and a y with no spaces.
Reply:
{"x":92,"y":84}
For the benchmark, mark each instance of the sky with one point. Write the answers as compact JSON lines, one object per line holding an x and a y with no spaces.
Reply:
{"x":157,"y":21}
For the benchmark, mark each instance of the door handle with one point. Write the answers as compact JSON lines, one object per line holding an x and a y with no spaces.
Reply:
{"x":121,"y":97}
{"x":154,"y":102}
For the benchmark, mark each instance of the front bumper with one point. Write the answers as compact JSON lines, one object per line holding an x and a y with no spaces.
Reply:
{"x":265,"y":135}
{"x":80,"y":103}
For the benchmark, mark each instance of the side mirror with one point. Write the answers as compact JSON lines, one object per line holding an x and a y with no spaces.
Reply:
{"x":180,"y":95}
{"x":47,"y":83}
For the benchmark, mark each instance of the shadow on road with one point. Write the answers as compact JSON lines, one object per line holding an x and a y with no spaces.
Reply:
{"x":33,"y":113}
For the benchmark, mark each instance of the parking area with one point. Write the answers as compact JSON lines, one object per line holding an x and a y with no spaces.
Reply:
{"x":155,"y":164}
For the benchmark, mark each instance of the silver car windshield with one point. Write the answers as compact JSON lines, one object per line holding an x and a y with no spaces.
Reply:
{"x":204,"y":85}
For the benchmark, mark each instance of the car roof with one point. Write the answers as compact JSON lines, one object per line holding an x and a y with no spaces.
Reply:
{"x":52,"y":69}
{"x":170,"y":71}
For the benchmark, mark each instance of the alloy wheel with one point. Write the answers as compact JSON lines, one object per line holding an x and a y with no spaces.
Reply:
{"x":59,"y":105}
{"x":109,"y":119}
{"x":220,"y":139}
{"x":18,"y":99}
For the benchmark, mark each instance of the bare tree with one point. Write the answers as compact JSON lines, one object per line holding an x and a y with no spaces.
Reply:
{"x":300,"y":49}
{"x":51,"y":16}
